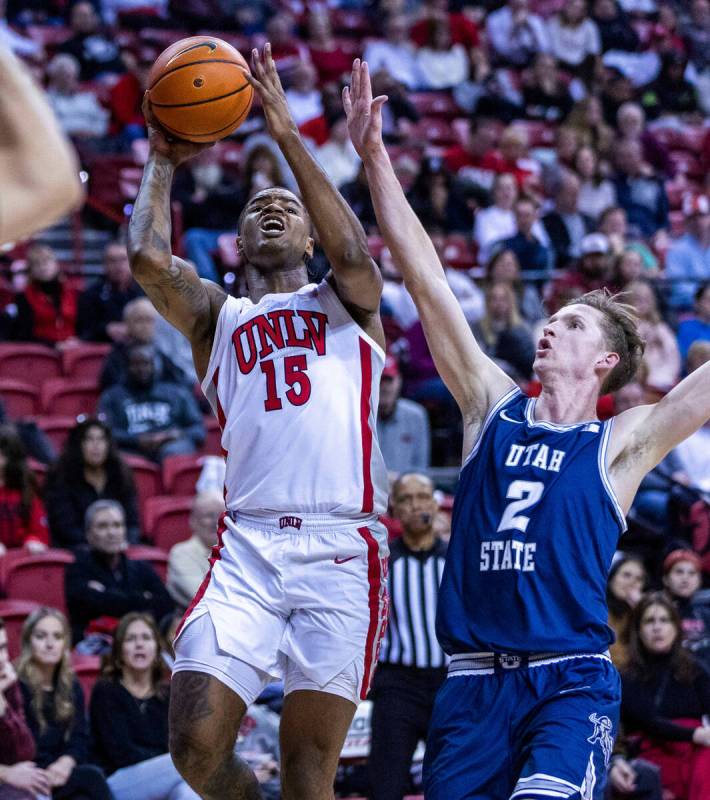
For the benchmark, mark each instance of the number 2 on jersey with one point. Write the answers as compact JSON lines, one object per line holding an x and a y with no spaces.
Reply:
{"x":295,"y":368}
{"x":522,"y":494}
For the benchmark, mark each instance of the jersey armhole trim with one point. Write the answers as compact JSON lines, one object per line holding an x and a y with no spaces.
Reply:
{"x":325,"y":285}
{"x":216,"y":345}
{"x":606,"y":482}
{"x":502,"y":401}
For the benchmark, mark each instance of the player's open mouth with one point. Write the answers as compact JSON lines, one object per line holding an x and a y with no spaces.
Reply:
{"x":272,"y":226}
{"x":543,"y":345}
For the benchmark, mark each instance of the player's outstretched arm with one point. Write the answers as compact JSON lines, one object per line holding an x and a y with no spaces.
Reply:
{"x":190,"y":304}
{"x":473,"y":379}
{"x":40,"y":175}
{"x":339,"y":230}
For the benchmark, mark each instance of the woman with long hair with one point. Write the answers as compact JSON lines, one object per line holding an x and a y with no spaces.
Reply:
{"x":129,"y":717}
{"x":90,"y":468}
{"x":437,"y":199}
{"x":624,"y":588}
{"x":54,"y":708}
{"x":22,"y":518}
{"x":504,"y":267}
{"x":596,"y":192}
{"x":665,"y":695}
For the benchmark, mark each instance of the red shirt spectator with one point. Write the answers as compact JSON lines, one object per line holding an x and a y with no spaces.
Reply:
{"x":463,"y":30}
{"x":476,"y":160}
{"x":329,"y":58}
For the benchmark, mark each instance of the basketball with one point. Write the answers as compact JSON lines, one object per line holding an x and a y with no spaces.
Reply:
{"x":197,"y":89}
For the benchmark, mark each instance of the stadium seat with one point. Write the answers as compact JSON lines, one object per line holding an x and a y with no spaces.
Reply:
{"x":39,"y":577}
{"x":14,"y":613}
{"x":213,"y":440}
{"x":155,"y":556}
{"x":146,"y":474}
{"x":435,"y":104}
{"x":69,"y":397}
{"x":20,"y":399}
{"x":166,"y":520}
{"x":180,"y":473}
{"x":56,"y":429}
{"x":435,"y":131}
{"x":84,"y":362}
{"x":88,"y":670}
{"x":20,"y":361}
{"x":459,"y":252}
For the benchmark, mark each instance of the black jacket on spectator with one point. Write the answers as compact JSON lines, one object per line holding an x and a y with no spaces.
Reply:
{"x":95,"y":52}
{"x":115,"y":368}
{"x":617,"y":33}
{"x":560,"y":239}
{"x":66,"y":505}
{"x":54,"y":742}
{"x":100,"y":304}
{"x":124,"y":732}
{"x":132,"y":586}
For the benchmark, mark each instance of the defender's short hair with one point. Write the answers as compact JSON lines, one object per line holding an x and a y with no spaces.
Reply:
{"x":620,"y":327}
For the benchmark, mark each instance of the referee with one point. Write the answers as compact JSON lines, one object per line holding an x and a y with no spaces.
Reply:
{"x":411,"y":665}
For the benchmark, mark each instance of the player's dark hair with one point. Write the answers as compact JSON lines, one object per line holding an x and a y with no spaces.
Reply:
{"x":620,"y":328}
{"x":641,"y":661}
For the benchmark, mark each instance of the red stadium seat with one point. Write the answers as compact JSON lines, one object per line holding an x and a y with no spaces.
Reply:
{"x":155,"y":556}
{"x":39,"y":577}
{"x":20,"y":361}
{"x":213,"y":440}
{"x":88,"y":670}
{"x":84,"y":362}
{"x":436,"y":131}
{"x":69,"y":397}
{"x":146,"y":475}
{"x":166,"y":520}
{"x":14,"y":613}
{"x":56,"y":429}
{"x":459,"y":252}
{"x":20,"y":399}
{"x":435,"y":104}
{"x":180,"y":473}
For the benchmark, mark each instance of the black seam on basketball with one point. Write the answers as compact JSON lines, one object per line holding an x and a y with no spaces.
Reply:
{"x":192,"y":63}
{"x":182,"y":135}
{"x":207,"y":43}
{"x":200,"y":102}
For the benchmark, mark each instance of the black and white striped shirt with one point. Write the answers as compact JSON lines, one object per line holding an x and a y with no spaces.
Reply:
{"x":413,"y":585}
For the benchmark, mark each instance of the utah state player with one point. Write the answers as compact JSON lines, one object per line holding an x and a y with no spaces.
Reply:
{"x":531,"y":703}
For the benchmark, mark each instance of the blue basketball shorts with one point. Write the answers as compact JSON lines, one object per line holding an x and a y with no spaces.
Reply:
{"x":505,"y":728}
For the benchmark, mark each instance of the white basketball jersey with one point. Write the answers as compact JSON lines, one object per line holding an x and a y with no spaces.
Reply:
{"x":294,"y":382}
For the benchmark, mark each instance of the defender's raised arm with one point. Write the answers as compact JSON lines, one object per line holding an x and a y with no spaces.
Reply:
{"x":473,"y":379}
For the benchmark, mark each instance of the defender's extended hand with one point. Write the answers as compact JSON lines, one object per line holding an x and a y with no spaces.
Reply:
{"x":175,"y":150}
{"x":265,"y":80}
{"x":364,"y":114}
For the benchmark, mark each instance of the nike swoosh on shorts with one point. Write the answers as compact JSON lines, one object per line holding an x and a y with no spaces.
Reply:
{"x":343,"y":560}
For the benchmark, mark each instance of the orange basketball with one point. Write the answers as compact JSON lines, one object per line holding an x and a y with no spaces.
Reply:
{"x":197,"y":89}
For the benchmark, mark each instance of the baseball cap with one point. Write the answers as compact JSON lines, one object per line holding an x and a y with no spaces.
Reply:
{"x":391,"y":368}
{"x":695,"y":204}
{"x":681,"y":555}
{"x":595,"y":243}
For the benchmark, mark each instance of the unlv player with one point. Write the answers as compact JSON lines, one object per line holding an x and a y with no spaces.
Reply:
{"x":296,"y":584}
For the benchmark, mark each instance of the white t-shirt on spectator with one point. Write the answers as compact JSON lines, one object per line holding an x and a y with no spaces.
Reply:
{"x":573,"y":45}
{"x":399,"y":60}
{"x":516,"y":43}
{"x":341,"y":164}
{"x":442,"y":69}
{"x":305,"y":105}
{"x":79,"y":113}
{"x":20,"y":45}
{"x":694,"y":456}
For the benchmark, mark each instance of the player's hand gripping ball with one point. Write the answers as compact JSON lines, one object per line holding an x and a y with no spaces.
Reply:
{"x":198,"y":90}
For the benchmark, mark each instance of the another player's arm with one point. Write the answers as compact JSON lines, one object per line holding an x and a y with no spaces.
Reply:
{"x":40,"y":174}
{"x":643,"y":436}
{"x":189,"y":303}
{"x":340,"y":233}
{"x":475,"y":381}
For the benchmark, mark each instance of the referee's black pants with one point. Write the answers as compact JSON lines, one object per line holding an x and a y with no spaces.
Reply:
{"x":402,"y":702}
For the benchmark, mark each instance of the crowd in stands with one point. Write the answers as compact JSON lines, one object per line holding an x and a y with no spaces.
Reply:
{"x":550,"y":147}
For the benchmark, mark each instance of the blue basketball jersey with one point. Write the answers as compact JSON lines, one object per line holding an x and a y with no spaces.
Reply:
{"x":535,"y":525}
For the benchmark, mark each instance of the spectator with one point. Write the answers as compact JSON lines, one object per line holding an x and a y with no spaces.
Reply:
{"x":670,"y":93}
{"x":23,"y":522}
{"x":504,"y":267}
{"x":79,"y":113}
{"x":304,"y":97}
{"x":100,"y":312}
{"x":329,"y":58}
{"x":627,"y":580}
{"x":337,"y":155}
{"x":697,"y":327}
{"x":46,"y":311}
{"x":438,"y":199}
{"x":632,"y":780}
{"x":96,"y":52}
{"x":587,"y":120}
{"x":515,"y":34}
{"x":688,"y":258}
{"x":188,"y":563}
{"x":614,"y":27}
{"x":441,"y":63}
{"x":463,"y":29}
{"x":149,"y":10}
{"x":129,"y":717}
{"x":153,"y":418}
{"x":640,"y":194}
{"x":596,"y":192}
{"x":628,"y":267}
{"x":102,"y":582}
{"x":565,"y":225}
{"x":54,"y":707}
{"x":631,"y":123}
{"x":20,"y":777}
{"x":498,"y":220}
{"x":264,"y":166}
{"x":683,"y":580}
{"x":126,"y":96}
{"x":696,"y":32}
{"x":395,"y":53}
{"x":532,"y":255}
{"x":574,"y":39}
{"x":476,"y":161}
{"x":665,"y":694}
{"x":545,"y":95}
{"x":89,"y":469}
{"x":694,"y":453}
{"x":287,"y":50}
{"x":411,"y":665}
{"x":501,"y":334}
{"x":661,"y":355}
{"x":20,"y":45}
{"x":357,"y":196}
{"x":402,"y":425}
{"x":139,"y":320}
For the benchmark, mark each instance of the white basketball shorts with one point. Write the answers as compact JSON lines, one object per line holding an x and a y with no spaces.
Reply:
{"x":297,"y":597}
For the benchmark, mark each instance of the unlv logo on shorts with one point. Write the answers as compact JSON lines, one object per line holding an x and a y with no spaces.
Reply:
{"x":510,"y":662}
{"x":290,"y":522}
